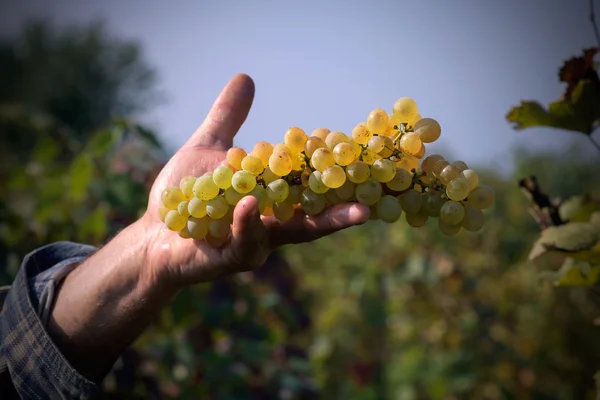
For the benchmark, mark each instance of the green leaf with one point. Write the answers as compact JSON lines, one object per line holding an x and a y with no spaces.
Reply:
{"x":95,"y":226}
{"x":80,"y":175}
{"x":579,"y":114}
{"x":577,"y":209}
{"x":103,"y":140}
{"x":569,"y":238}
{"x":573,"y":273}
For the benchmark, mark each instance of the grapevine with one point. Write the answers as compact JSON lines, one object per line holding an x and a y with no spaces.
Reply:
{"x":380,"y":164}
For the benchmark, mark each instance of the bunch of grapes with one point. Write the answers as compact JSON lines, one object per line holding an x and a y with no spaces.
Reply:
{"x":378,"y":165}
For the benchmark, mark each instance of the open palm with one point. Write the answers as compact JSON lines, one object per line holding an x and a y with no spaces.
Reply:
{"x":184,"y":261}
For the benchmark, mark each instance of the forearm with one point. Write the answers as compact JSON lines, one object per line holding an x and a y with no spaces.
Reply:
{"x":106,"y":303}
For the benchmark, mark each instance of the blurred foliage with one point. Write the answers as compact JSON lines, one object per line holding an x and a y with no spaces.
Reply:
{"x":374,"y":312}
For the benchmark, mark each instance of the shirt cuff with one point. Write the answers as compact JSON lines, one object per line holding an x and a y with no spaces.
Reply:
{"x":36,"y":365}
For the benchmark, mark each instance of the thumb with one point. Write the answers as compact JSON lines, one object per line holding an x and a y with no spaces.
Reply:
{"x":249,"y":239}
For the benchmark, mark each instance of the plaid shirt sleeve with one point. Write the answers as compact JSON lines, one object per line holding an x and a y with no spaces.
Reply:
{"x":31,"y":366}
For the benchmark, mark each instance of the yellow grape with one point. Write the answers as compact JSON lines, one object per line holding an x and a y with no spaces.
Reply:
{"x":481,"y":197}
{"x":388,"y":147}
{"x":376,"y":144}
{"x":416,"y":119}
{"x":280,"y":163}
{"x":401,"y":180}
{"x":429,"y":162}
{"x":315,"y":183}
{"x":171,"y":197}
{"x":281,"y":147}
{"x":268,"y":210}
{"x":333,"y":177}
{"x":428,"y":129}
{"x":408,"y":162}
{"x":358,"y":172}
{"x":355,"y":147}
{"x":205,"y":188}
{"x":313,"y":143}
{"x":335,"y":138}
{"x":187,"y":185}
{"x":448,"y":174}
{"x":361,"y":134}
{"x":175,"y":221}
{"x":344,"y":154}
{"x":197,"y":228}
{"x":294,"y":139}
{"x":377,"y":121}
{"x":460,"y":165}
{"x":268,"y":176}
{"x":217,"y":208}
{"x":262,"y":150}
{"x":222,"y":177}
{"x":234,"y":156}
{"x":411,"y":201}
{"x":458,"y":189}
{"x":243,"y":181}
{"x":410,"y":143}
{"x":183,"y":233}
{"x":369,"y":156}
{"x":162,"y":211}
{"x":321,"y":133}
{"x":322,"y":158}
{"x":383,"y":170}
{"x":433,"y":202}
{"x":472,"y":177}
{"x":448,"y":230}
{"x":421,"y":151}
{"x":197,"y":207}
{"x":297,"y":162}
{"x":452,"y":212}
{"x":473,"y":220}
{"x":405,"y":109}
{"x":283,"y":211}
{"x":183,"y":208}
{"x":438,"y":167}
{"x":252,"y":165}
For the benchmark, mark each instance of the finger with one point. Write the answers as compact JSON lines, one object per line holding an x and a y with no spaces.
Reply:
{"x":305,"y":228}
{"x":228,"y":113}
{"x":249,"y":237}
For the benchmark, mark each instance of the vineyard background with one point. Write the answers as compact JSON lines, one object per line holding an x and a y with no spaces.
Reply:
{"x":374,"y":312}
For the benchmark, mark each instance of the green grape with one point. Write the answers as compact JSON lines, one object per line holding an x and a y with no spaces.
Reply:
{"x":389,"y":209}
{"x":368,"y":192}
{"x":280,"y":163}
{"x":175,"y":221}
{"x":433,"y":202}
{"x":377,"y":121}
{"x":312,"y":203}
{"x":460,"y":166}
{"x":197,"y":228}
{"x":473,"y":220}
{"x":401,"y":180}
{"x":472,"y":177}
{"x":260,"y":194}
{"x":411,"y":201}
{"x":322,"y":159}
{"x":171,"y":197}
{"x":405,"y":109}
{"x":187,"y":185}
{"x":278,"y":190}
{"x":243,"y":181}
{"x":197,"y":207}
{"x":346,"y":191}
{"x":219,"y":228}
{"x":253,"y":165}
{"x":216,"y":208}
{"x":232,"y":196}
{"x":268,"y":176}
{"x":332,"y":198}
{"x":229,"y":215}
{"x":481,"y":197}
{"x":262,"y":150}
{"x":448,"y":230}
{"x":183,"y":208}
{"x":205,"y":188}
{"x":428,"y":129}
{"x":283,"y":211}
{"x":452,"y":212}
{"x":344,"y":154}
{"x":295,"y":139}
{"x":358,"y":172}
{"x":335,"y":138}
{"x":316,"y":184}
{"x":376,"y":144}
{"x":429,"y":162}
{"x":458,"y":189}
{"x":448,"y":174}
{"x":234,"y":157}
{"x":383,"y":170}
{"x":333,"y":177}
{"x":312,"y":144}
{"x":388,"y":147}
{"x":222,"y":177}
{"x":162,"y":211}
{"x":294,"y":195}
{"x":416,"y":220}
{"x":361,"y":134}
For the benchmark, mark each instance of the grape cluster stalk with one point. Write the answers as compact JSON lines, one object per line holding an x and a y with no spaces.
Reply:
{"x":380,"y":164}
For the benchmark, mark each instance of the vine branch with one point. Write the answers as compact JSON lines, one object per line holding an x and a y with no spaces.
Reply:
{"x":541,"y":208}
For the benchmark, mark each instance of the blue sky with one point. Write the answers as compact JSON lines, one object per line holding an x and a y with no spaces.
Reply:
{"x":328,"y":63}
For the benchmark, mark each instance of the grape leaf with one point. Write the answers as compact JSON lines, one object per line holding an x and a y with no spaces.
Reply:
{"x":80,"y":175}
{"x":577,"y":209}
{"x":577,"y":69}
{"x":569,"y":238}
{"x":573,"y":273}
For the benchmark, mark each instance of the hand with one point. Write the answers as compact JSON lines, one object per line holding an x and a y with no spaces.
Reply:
{"x":186,"y":261}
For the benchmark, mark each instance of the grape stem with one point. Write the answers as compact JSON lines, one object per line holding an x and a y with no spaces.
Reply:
{"x":542,"y":209}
